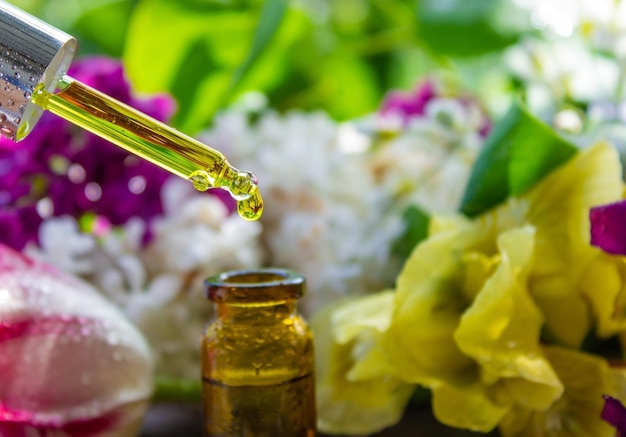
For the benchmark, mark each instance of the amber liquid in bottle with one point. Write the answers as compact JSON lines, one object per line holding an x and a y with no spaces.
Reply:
{"x":258,"y":410}
{"x":258,"y":358}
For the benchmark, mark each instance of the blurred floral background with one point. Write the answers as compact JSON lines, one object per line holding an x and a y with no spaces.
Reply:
{"x":428,"y":165}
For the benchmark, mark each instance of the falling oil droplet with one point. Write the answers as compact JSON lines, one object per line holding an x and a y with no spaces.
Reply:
{"x":252,"y":207}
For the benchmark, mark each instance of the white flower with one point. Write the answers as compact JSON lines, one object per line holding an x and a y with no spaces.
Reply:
{"x":324,"y":216}
{"x":66,"y":247}
{"x":331,"y":206}
{"x":160,"y":286}
{"x":429,"y":163}
{"x":562,"y":69}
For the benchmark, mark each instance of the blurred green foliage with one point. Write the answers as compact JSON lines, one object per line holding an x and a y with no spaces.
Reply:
{"x":338,"y":55}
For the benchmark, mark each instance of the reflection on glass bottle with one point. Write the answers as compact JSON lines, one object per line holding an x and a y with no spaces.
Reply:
{"x":257,"y":357}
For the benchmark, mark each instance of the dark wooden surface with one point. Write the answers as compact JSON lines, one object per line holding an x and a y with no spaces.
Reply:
{"x":186,"y":421}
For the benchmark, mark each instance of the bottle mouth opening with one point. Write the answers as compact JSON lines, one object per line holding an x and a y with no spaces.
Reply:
{"x":255,"y":285}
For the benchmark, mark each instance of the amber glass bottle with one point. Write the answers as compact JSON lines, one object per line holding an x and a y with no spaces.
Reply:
{"x":257,"y":357}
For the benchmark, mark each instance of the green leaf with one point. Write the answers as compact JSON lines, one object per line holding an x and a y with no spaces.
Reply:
{"x":347,"y":86}
{"x":98,"y":25}
{"x":207,"y":55}
{"x":158,"y":52}
{"x":462,"y":27}
{"x":105,"y":25}
{"x":190,"y":76}
{"x":271,"y":17}
{"x":417,"y":221}
{"x":519,"y":152}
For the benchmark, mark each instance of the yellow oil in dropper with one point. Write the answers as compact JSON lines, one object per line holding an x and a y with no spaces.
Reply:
{"x":151,"y":140}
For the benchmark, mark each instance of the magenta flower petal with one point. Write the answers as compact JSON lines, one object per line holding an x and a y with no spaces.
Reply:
{"x":18,"y":226}
{"x":614,"y":413}
{"x":104,"y":74}
{"x":608,"y":227}
{"x":409,"y":105}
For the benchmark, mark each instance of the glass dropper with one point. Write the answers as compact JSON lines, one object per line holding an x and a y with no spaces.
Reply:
{"x":34,"y":58}
{"x":152,"y":140}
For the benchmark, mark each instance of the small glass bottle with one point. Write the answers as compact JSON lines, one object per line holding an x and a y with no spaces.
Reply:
{"x":257,"y":357}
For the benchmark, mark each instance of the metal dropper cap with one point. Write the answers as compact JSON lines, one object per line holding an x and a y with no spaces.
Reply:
{"x":32,"y":52}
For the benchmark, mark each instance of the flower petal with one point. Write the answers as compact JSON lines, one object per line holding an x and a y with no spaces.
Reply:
{"x":607,"y":227}
{"x":501,"y":328}
{"x":586,"y":378}
{"x":68,"y":358}
{"x":614,"y":413}
{"x":604,"y":285}
{"x":428,"y":305}
{"x":356,"y":394}
{"x":466,"y":406}
{"x":558,"y":208}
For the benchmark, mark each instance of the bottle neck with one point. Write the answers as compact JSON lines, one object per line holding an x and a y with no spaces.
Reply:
{"x":256,"y":313}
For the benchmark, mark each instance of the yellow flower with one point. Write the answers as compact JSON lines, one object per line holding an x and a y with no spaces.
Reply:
{"x":501,"y":330}
{"x":473,"y":306}
{"x":559,"y":208}
{"x":473,"y":299}
{"x":604,"y":285}
{"x":357,"y":392}
{"x":577,"y":413}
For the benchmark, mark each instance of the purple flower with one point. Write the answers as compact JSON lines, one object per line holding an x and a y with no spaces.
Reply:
{"x":76,"y":172}
{"x":413,"y":104}
{"x":409,"y":105}
{"x":608,"y":230}
{"x":16,"y":225}
{"x":614,"y":413}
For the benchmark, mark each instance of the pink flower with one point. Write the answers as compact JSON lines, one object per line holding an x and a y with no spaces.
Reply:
{"x":70,"y":364}
{"x":409,"y":105}
{"x":614,"y":413}
{"x":607,"y":227}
